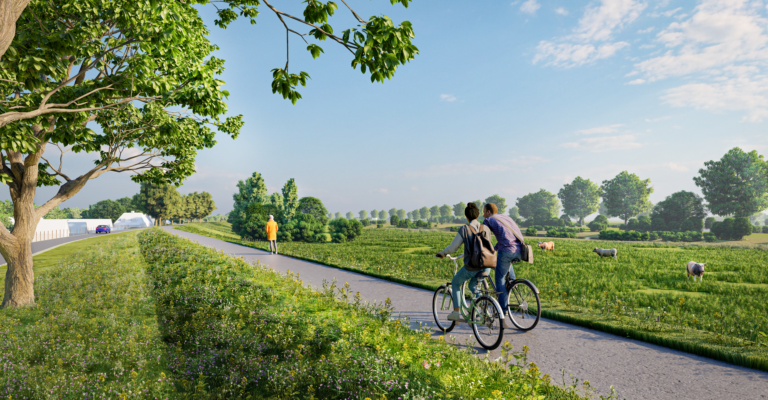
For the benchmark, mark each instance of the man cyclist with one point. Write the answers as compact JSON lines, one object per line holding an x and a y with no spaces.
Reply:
{"x":466,"y":272}
{"x":508,"y":250}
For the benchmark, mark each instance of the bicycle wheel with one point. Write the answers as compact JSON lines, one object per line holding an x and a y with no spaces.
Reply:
{"x":524,"y":305}
{"x":442,"y":305}
{"x":486,"y":323}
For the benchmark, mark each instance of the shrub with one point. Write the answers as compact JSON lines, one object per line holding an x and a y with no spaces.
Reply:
{"x":692,"y":224}
{"x":708,"y":222}
{"x":741,"y":227}
{"x":658,"y":224}
{"x":597,"y":226}
{"x":653,"y":236}
{"x":531,"y":231}
{"x":644,"y":223}
{"x":723,"y":230}
{"x":343,"y":229}
{"x":393,"y":220}
{"x":601,"y":218}
{"x":765,"y":229}
{"x":710,"y":237}
{"x":632,"y":224}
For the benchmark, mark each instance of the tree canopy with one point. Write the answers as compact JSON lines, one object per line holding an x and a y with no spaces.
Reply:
{"x":458,"y":209}
{"x":314,"y":207}
{"x":626,"y":195}
{"x":529,"y":204}
{"x":737,"y":184}
{"x":161,"y":202}
{"x":678,"y":207}
{"x":105,"y":209}
{"x":580,"y":198}
{"x":501,"y":203}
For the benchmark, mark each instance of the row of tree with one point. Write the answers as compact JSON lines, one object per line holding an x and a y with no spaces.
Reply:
{"x":736,"y":185}
{"x":301,"y":219}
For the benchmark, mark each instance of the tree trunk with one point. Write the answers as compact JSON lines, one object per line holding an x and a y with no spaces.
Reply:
{"x":20,"y":278}
{"x":10,"y":10}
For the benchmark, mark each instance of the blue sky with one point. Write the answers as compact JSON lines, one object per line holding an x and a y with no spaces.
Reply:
{"x":504,"y":97}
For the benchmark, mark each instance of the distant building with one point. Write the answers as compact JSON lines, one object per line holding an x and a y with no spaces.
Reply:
{"x":59,"y":228}
{"x":134,"y":220}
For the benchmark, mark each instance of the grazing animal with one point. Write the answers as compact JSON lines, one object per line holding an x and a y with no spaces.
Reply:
{"x":547,"y":246}
{"x":695,"y":269}
{"x":606,"y":253}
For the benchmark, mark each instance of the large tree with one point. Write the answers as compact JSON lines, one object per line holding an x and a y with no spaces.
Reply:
{"x":445,"y":211}
{"x":416,"y":215}
{"x":314,"y":207}
{"x":161,"y":202}
{"x":458,"y":209}
{"x":736,"y":185}
{"x":382,"y":215}
{"x":580,"y":198}
{"x":529,"y":204}
{"x":251,"y":191}
{"x":144,"y":71}
{"x":626,"y":195}
{"x":105,"y":209}
{"x":501,"y":203}
{"x":199,"y":205}
{"x":424,"y":213}
{"x":401,"y":214}
{"x":374,"y":213}
{"x":363,"y":214}
{"x":678,"y":207}
{"x":392,"y":211}
{"x":350,"y":215}
{"x":434,"y":212}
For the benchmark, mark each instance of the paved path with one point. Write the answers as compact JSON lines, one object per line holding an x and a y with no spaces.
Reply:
{"x":636,"y":369}
{"x":45,"y":245}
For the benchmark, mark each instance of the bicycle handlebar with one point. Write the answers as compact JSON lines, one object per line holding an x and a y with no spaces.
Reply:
{"x":448,"y":256}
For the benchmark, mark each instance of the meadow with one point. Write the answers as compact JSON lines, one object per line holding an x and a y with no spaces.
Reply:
{"x":152,"y":316}
{"x":644,"y":294}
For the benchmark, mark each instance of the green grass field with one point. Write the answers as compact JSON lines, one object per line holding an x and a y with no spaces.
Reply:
{"x":45,"y":261}
{"x":645,"y":294}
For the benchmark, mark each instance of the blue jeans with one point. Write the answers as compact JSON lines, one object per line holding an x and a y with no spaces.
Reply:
{"x":504,"y":260}
{"x":462,"y":276}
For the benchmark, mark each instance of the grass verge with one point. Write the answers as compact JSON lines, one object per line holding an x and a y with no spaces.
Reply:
{"x":243,"y":331}
{"x":644,"y":295}
{"x":93,"y":332}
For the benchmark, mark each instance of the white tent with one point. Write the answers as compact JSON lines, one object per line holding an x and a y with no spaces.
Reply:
{"x":134,"y":220}
{"x":58,"y":228}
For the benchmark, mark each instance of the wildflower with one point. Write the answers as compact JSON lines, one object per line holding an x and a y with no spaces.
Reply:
{"x":425,"y":365}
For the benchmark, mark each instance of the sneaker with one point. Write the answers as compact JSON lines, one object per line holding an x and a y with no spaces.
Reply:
{"x":508,"y":322}
{"x":455,"y":316}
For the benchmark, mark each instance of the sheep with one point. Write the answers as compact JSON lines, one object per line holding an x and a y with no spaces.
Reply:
{"x":606,"y":253}
{"x":547,"y":246}
{"x":695,"y":269}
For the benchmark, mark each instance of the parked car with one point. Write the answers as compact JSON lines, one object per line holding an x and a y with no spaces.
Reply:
{"x":103,"y":229}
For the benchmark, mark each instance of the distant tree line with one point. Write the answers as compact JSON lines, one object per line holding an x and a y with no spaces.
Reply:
{"x":734,"y":187}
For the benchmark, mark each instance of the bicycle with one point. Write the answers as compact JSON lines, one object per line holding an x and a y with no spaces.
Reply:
{"x":523,"y":302}
{"x":483,"y":313}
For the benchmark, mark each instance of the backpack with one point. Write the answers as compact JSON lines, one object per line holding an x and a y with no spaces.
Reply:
{"x":481,"y":252}
{"x":526,"y":251}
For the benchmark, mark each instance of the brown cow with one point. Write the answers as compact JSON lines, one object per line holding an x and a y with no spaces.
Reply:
{"x":547,"y":246}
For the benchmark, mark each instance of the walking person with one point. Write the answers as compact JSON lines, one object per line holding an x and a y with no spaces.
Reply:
{"x":272,"y":234}
{"x":508,"y":250}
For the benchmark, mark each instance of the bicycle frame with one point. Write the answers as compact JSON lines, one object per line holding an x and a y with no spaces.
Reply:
{"x":463,"y":309}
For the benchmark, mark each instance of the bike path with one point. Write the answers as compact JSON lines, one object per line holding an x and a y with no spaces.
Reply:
{"x":636,"y":369}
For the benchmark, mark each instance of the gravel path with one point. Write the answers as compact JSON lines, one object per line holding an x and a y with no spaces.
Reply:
{"x":636,"y":369}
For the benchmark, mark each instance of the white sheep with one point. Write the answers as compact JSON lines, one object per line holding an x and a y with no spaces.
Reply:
{"x":606,"y":253}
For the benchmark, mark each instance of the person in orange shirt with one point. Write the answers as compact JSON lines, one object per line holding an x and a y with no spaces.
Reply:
{"x":272,"y":234}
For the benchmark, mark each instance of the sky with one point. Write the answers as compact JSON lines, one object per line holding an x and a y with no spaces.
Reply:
{"x":504,"y":97}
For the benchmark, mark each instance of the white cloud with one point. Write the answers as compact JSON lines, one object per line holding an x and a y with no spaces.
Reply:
{"x":591,"y":39}
{"x":447,"y":97}
{"x":604,"y":143}
{"x":722,"y":50}
{"x":382,"y":191}
{"x":530,"y":6}
{"x":599,"y":23}
{"x":657,"y":119}
{"x":462,"y":168}
{"x":601,"y":129}
{"x":569,"y":55}
{"x":636,"y":81}
{"x":677,"y":167}
{"x":561,"y":11}
{"x":646,"y":30}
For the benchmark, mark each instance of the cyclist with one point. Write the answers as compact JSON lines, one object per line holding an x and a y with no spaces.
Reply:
{"x":508,"y":251}
{"x":466,"y":272}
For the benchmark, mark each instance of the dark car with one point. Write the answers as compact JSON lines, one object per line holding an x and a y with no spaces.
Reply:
{"x":103,"y":229}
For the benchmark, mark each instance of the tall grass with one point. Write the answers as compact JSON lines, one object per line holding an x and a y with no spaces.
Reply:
{"x":645,"y":294}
